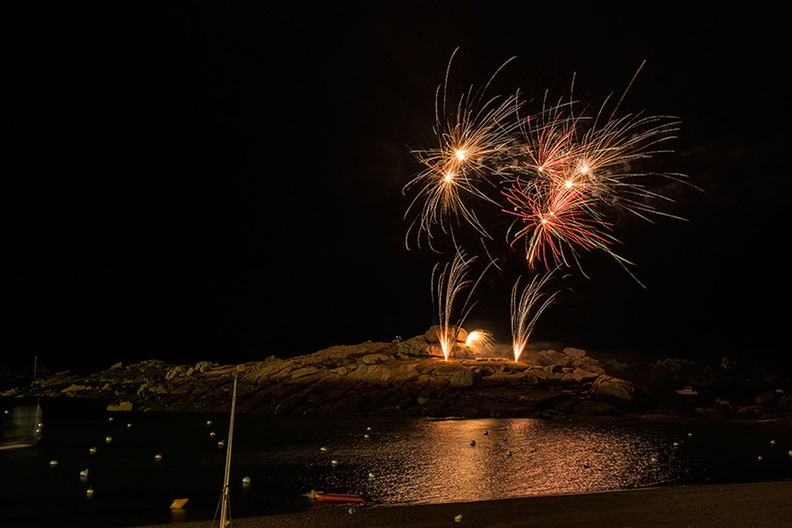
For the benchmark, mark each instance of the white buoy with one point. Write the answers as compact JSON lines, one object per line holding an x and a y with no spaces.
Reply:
{"x":790,"y":453}
{"x":212,"y":434}
{"x":368,"y":428}
{"x":772,"y":443}
{"x":111,"y":419}
{"x":653,"y":460}
{"x":334,"y":462}
{"x":221,"y":444}
{"x":676,"y":444}
{"x":109,"y":440}
{"x":53,"y":463}
{"x":84,"y":474}
{"x":486,"y":433}
{"x":89,"y":492}
{"x":208,"y":423}
{"x":129,"y":426}
{"x":366,"y":436}
{"x":246,"y":481}
{"x":158,"y":457}
{"x":508,"y":453}
{"x":92,"y":451}
{"x":759,"y":459}
{"x":473,"y":442}
{"x":323,"y":449}
{"x":371,"y":475}
{"x":690,"y":435}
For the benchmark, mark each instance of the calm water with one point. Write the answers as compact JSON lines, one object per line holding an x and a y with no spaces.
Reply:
{"x":396,"y":461}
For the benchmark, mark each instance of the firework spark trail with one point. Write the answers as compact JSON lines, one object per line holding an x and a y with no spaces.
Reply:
{"x":527,"y":305}
{"x":448,"y":284}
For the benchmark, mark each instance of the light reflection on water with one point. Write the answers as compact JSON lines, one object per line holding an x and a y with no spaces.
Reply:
{"x":434,"y":461}
{"x":387,"y":460}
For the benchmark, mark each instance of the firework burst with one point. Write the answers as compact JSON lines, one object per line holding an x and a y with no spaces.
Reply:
{"x":474,"y":134}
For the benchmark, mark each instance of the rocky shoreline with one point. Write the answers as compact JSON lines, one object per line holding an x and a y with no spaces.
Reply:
{"x":411,"y":378}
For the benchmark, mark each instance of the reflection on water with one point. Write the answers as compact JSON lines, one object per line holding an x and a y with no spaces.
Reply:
{"x":388,"y":460}
{"x":435,"y":461}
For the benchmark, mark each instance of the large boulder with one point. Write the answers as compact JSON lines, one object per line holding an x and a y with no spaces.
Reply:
{"x":464,"y":379}
{"x":615,"y":391}
{"x":435,"y":332}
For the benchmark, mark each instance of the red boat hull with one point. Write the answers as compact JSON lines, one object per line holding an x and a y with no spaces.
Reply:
{"x":337,"y":497}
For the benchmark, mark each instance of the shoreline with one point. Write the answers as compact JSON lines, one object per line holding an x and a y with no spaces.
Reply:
{"x":754,"y":505}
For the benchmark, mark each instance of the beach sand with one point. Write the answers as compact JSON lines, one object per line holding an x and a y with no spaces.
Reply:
{"x":751,"y":505}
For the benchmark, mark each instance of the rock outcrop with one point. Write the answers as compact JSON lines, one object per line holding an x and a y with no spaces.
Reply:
{"x":405,"y":378}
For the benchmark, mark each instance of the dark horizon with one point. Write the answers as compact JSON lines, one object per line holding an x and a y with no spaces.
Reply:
{"x":195,"y":183}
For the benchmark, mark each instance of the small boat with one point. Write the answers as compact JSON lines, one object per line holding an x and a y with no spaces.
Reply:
{"x":321,"y":496}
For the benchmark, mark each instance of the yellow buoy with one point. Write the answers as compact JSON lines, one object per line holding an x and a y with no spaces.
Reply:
{"x":178,"y":504}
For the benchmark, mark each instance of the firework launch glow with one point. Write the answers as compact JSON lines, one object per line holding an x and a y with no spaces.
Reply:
{"x":559,"y":182}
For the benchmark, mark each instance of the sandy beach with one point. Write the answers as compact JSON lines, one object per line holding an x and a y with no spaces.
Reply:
{"x":752,"y":505}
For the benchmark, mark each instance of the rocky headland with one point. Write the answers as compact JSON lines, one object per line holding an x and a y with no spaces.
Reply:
{"x":410,"y":377}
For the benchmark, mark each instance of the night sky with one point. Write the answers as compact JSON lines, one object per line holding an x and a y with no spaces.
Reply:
{"x":190,"y":182}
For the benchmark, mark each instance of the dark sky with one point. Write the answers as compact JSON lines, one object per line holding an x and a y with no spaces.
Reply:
{"x":192,"y":182}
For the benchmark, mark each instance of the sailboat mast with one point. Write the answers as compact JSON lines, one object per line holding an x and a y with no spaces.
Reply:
{"x":224,"y":521}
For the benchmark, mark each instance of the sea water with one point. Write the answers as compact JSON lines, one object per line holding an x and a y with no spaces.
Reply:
{"x":139,"y":463}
